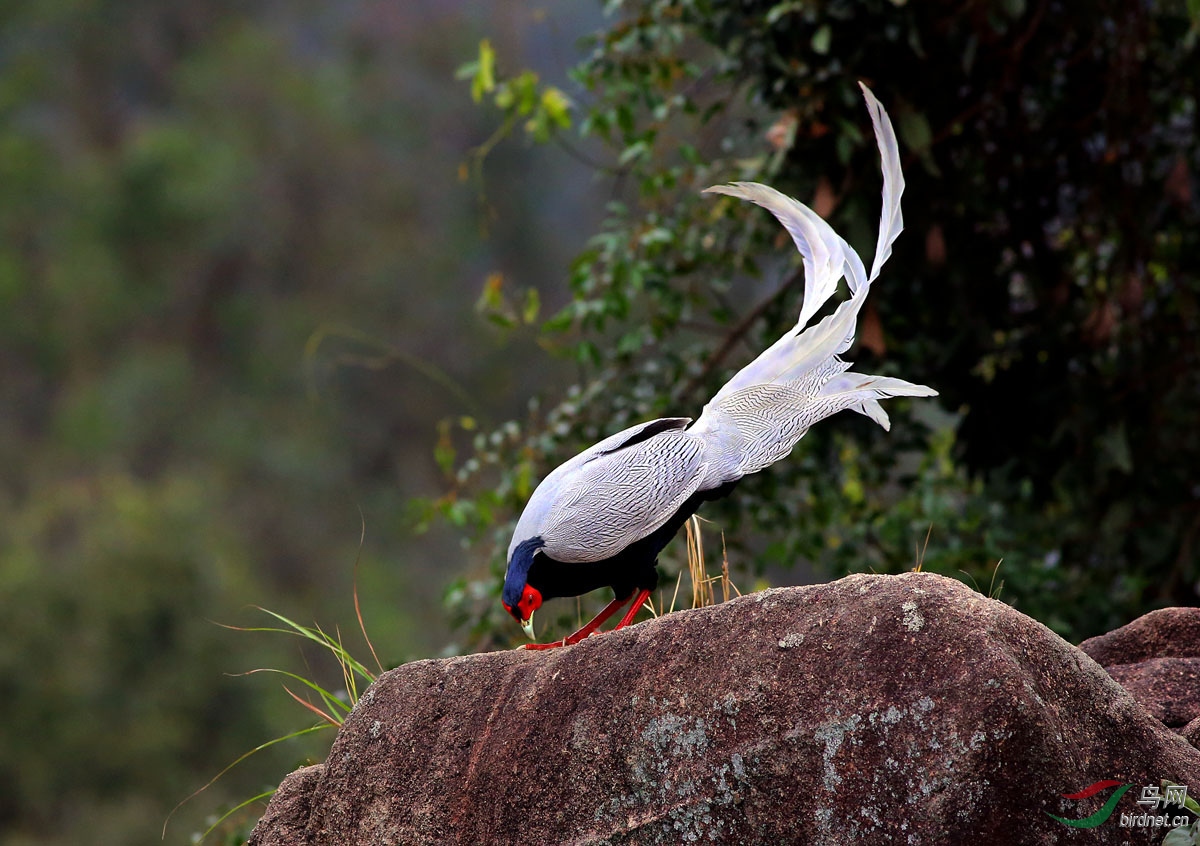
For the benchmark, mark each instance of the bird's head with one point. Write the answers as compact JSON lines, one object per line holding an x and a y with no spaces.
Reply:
{"x":520,"y":598}
{"x":530,"y":601}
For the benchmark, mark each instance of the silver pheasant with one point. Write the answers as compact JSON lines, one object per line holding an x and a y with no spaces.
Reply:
{"x":601,"y":518}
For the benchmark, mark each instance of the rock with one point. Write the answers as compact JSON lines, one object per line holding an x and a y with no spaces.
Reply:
{"x":1157,"y":659}
{"x":876,"y":709}
{"x":1166,"y":633}
{"x":287,"y":815}
{"x":1191,"y":732}
{"x":1168,"y":688}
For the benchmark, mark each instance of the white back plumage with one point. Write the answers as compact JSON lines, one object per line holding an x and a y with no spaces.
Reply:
{"x":622,"y":489}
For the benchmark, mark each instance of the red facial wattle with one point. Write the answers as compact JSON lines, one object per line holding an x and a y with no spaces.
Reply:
{"x":530,"y":601}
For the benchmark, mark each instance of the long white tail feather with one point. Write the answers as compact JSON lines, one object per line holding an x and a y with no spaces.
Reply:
{"x":871,"y":408}
{"x":799,"y":351}
{"x":856,"y":274}
{"x":891,"y":221}
{"x":771,"y":402}
{"x":819,"y":343}
{"x":878,"y":387}
{"x":856,"y":392}
{"x":820,"y":247}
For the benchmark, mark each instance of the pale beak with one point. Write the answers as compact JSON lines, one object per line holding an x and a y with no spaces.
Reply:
{"x":527,"y":625}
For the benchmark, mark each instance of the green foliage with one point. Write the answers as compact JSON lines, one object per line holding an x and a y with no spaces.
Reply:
{"x":1041,"y":286}
{"x":543,"y":109}
{"x":332,"y":707}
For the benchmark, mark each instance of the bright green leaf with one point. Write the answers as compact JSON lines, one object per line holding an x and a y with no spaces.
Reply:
{"x":557,"y":107}
{"x":485,"y":71}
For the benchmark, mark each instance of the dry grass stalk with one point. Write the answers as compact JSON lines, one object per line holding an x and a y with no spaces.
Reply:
{"x":701,"y":588}
{"x":702,"y":583}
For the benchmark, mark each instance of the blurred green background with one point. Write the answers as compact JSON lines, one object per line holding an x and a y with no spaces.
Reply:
{"x":237,"y":276}
{"x":278,"y":276}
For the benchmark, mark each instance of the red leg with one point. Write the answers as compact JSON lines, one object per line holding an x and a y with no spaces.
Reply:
{"x":638,"y":602}
{"x":610,"y":609}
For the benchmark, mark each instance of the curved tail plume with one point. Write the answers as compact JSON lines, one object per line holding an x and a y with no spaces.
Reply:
{"x":760,"y":414}
{"x":891,"y":221}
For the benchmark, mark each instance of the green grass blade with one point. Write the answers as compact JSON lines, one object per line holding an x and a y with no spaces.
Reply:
{"x":266,"y":795}
{"x":330,"y":699}
{"x":238,"y":760}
